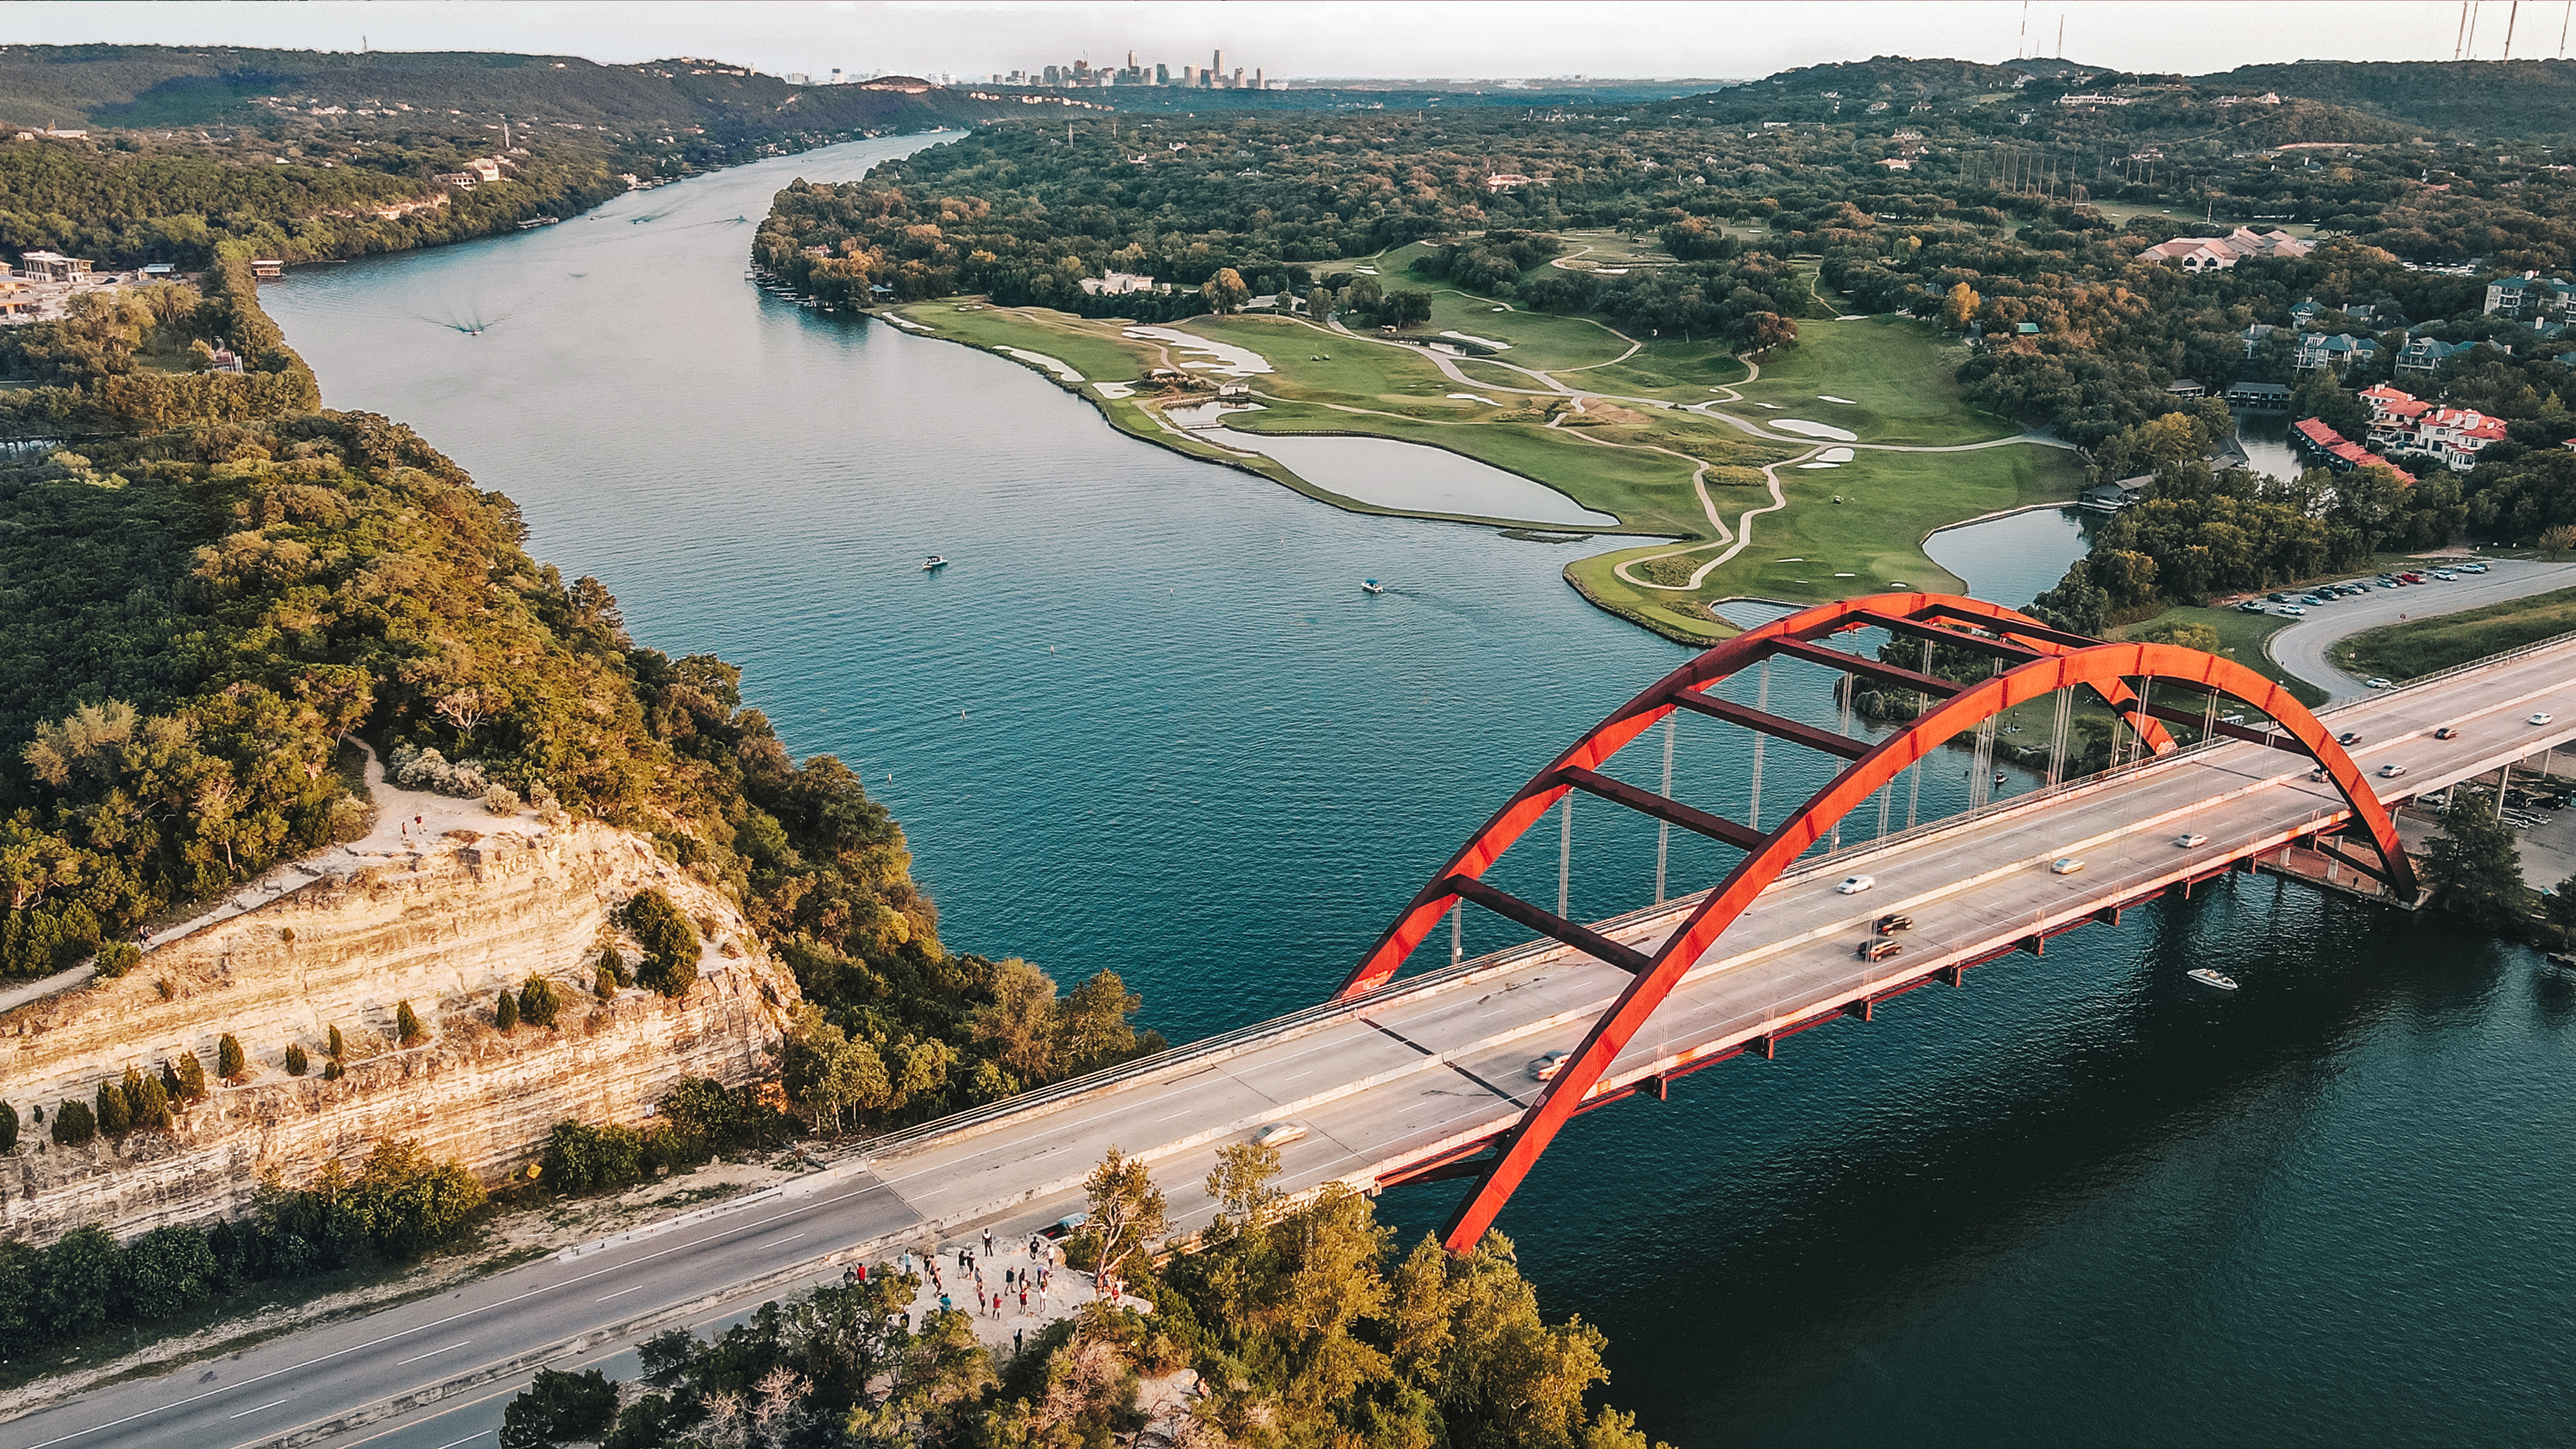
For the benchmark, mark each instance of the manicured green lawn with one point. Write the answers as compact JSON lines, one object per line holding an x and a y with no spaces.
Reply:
{"x":1350,"y":372}
{"x":1817,"y":549}
{"x":2240,"y":637}
{"x":1901,"y":374}
{"x":2425,"y":646}
{"x":1670,"y":369}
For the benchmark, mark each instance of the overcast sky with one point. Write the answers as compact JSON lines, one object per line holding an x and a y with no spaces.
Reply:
{"x":1443,"y":38}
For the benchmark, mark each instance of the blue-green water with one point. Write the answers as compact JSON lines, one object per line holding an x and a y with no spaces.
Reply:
{"x":1147,"y":721}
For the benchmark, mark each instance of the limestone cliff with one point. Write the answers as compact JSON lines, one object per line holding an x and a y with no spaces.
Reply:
{"x":443,"y":922}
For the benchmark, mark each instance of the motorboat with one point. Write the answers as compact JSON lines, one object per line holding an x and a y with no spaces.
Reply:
{"x":2207,"y":977}
{"x":933,"y":564}
{"x":1371,"y":586}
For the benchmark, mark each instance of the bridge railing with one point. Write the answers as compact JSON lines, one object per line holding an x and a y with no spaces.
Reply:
{"x":2438,"y":675}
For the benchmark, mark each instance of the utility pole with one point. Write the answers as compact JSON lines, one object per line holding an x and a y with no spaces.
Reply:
{"x":2460,"y":37}
{"x":2510,"y":17}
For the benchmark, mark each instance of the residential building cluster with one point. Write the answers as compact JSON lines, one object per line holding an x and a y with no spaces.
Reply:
{"x":38,"y":286}
{"x":1083,"y":75}
{"x":2402,"y":422}
{"x":2218,"y":253}
{"x":2336,"y":452}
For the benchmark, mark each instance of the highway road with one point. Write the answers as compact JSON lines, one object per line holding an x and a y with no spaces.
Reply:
{"x":1410,"y":1075}
{"x":2302,"y":648}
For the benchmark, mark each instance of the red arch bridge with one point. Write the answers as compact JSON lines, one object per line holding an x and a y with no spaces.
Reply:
{"x":1432,"y":1076}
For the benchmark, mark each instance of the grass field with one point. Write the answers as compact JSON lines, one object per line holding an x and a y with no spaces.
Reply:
{"x":1900,"y":373}
{"x":2425,"y":646}
{"x":2240,"y":637}
{"x":1630,"y":459}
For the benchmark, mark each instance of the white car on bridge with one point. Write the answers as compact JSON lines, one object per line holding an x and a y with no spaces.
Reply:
{"x":1854,"y":884}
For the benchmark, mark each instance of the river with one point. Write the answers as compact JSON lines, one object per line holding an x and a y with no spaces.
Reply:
{"x":1147,"y":721}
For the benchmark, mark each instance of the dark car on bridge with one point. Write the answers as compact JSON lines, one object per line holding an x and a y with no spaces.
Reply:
{"x":1894,"y":921}
{"x":1879,"y":949}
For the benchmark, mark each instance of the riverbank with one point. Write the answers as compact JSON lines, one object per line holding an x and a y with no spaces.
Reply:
{"x":1813,"y":475}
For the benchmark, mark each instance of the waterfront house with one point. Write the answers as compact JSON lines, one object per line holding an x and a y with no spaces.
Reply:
{"x":267,"y":269}
{"x":1116,"y":284}
{"x":2258,"y":394}
{"x":2205,"y":254}
{"x":2325,"y":446}
{"x":2112,"y":497}
{"x":2255,"y":336}
{"x":2456,"y":436}
{"x":2184,"y":387}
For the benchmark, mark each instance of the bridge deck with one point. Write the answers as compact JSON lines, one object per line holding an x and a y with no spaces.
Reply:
{"x":1418,"y":1075}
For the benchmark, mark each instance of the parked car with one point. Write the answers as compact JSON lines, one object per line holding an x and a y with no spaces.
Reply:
{"x":2388,"y":583}
{"x":2290,"y":611}
{"x":2539,"y":717}
{"x":1064,"y":1227}
{"x":2391,"y":772}
{"x":1893,"y":922}
{"x":2473,"y":568}
{"x":2447,"y":732}
{"x":2065,"y":865}
{"x":1854,"y":884}
{"x":2278,"y":598}
{"x":2445,"y":575}
{"x":2348,"y":738}
{"x":1545,"y":1068}
{"x":2191,"y":840}
{"x":2251,"y":606}
{"x":1279,"y":1134}
{"x":1880,"y":949}
{"x":2376,"y":681}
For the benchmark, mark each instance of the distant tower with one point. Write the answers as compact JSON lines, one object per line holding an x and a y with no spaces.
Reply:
{"x":1216,"y":68}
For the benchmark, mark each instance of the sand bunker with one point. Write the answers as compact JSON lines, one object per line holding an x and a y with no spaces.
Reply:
{"x":1054,"y":365}
{"x":1806,"y":429}
{"x":1479,"y":341}
{"x":1230,"y":360}
{"x":1829,"y":397}
{"x":1835,"y":455}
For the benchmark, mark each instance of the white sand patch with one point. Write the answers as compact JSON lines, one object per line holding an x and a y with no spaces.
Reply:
{"x":1229,"y":359}
{"x":1480,"y":341}
{"x":1812,"y":466}
{"x":1829,"y":397}
{"x":1846,"y":576}
{"x":1115,"y":389}
{"x":1835,"y":455}
{"x":1057,"y":366}
{"x":906,"y":323}
{"x":1475,"y":397}
{"x":1852,"y":317}
{"x":1807,"y":429}
{"x":1775,"y":407}
{"x":1502,"y":309}
{"x":1365,"y":271}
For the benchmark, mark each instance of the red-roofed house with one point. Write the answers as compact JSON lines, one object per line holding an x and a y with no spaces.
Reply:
{"x":2206,"y":253}
{"x":2311,"y":435}
{"x":2400,"y":420}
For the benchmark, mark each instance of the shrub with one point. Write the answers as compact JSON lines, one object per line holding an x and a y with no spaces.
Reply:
{"x":332,"y":1071}
{"x":115,"y":1114}
{"x":670,"y":943}
{"x":505,"y":1012}
{"x":186,"y":1076}
{"x":615,"y":965}
{"x":339,"y":1048}
{"x":605,"y":983}
{"x":74,"y":1124}
{"x":583,"y":1158}
{"x":8,"y":1128}
{"x":501,"y":800}
{"x":296,"y":1062}
{"x":538,"y":1003}
{"x":115,"y":958}
{"x":229,"y":1062}
{"x":407,"y":1030}
{"x":80,"y":1274}
{"x":148,"y":1099}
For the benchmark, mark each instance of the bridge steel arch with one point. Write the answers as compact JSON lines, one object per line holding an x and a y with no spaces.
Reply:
{"x":2033,"y":660}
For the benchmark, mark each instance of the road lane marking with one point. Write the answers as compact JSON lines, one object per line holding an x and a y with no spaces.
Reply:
{"x":271,"y":1404}
{"x":433,"y":1353}
{"x":468,"y":1439}
{"x":791,"y":1237}
{"x":620,"y":1293}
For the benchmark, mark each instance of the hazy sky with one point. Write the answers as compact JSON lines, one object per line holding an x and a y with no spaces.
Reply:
{"x":1326,"y":37}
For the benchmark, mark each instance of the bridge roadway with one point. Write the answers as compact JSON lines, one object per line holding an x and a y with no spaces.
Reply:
{"x":1419,"y":1073}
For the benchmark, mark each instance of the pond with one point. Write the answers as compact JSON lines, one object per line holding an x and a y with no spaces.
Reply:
{"x":2015,"y":558}
{"x":1420,"y":479}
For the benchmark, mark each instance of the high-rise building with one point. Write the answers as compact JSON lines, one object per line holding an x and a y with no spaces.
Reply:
{"x":1163,"y":73}
{"x":1237,"y":82}
{"x":1216,"y":69}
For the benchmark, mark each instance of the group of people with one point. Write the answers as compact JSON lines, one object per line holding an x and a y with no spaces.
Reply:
{"x":1022,"y":1282}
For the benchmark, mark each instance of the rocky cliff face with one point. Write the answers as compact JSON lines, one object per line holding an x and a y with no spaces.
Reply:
{"x":444,"y":925}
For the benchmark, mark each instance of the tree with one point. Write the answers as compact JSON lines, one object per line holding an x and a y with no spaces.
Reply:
{"x":167,"y":1270}
{"x":505,"y":1012}
{"x":407,"y":1031}
{"x":8,"y":1129}
{"x":73,"y":1124}
{"x":190,"y":1074}
{"x":1127,"y":1215}
{"x":407,"y":1203}
{"x":339,"y":1048}
{"x":2558,"y":539}
{"x":827,"y":1074}
{"x":80,"y":1276}
{"x":1319,"y":303}
{"x":2559,"y":907}
{"x":557,"y":1408}
{"x":1019,"y":1027}
{"x":1764,"y":331}
{"x":115,"y":1114}
{"x":1960,"y":305}
{"x":297,"y":1063}
{"x":1091,"y":1024}
{"x":229,"y":1063}
{"x":1406,"y":307}
{"x":2474,"y":867}
{"x":538,"y":1003}
{"x":148,"y":1099}
{"x":603,"y":982}
{"x":1225,"y":291}
{"x":670,"y":943}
